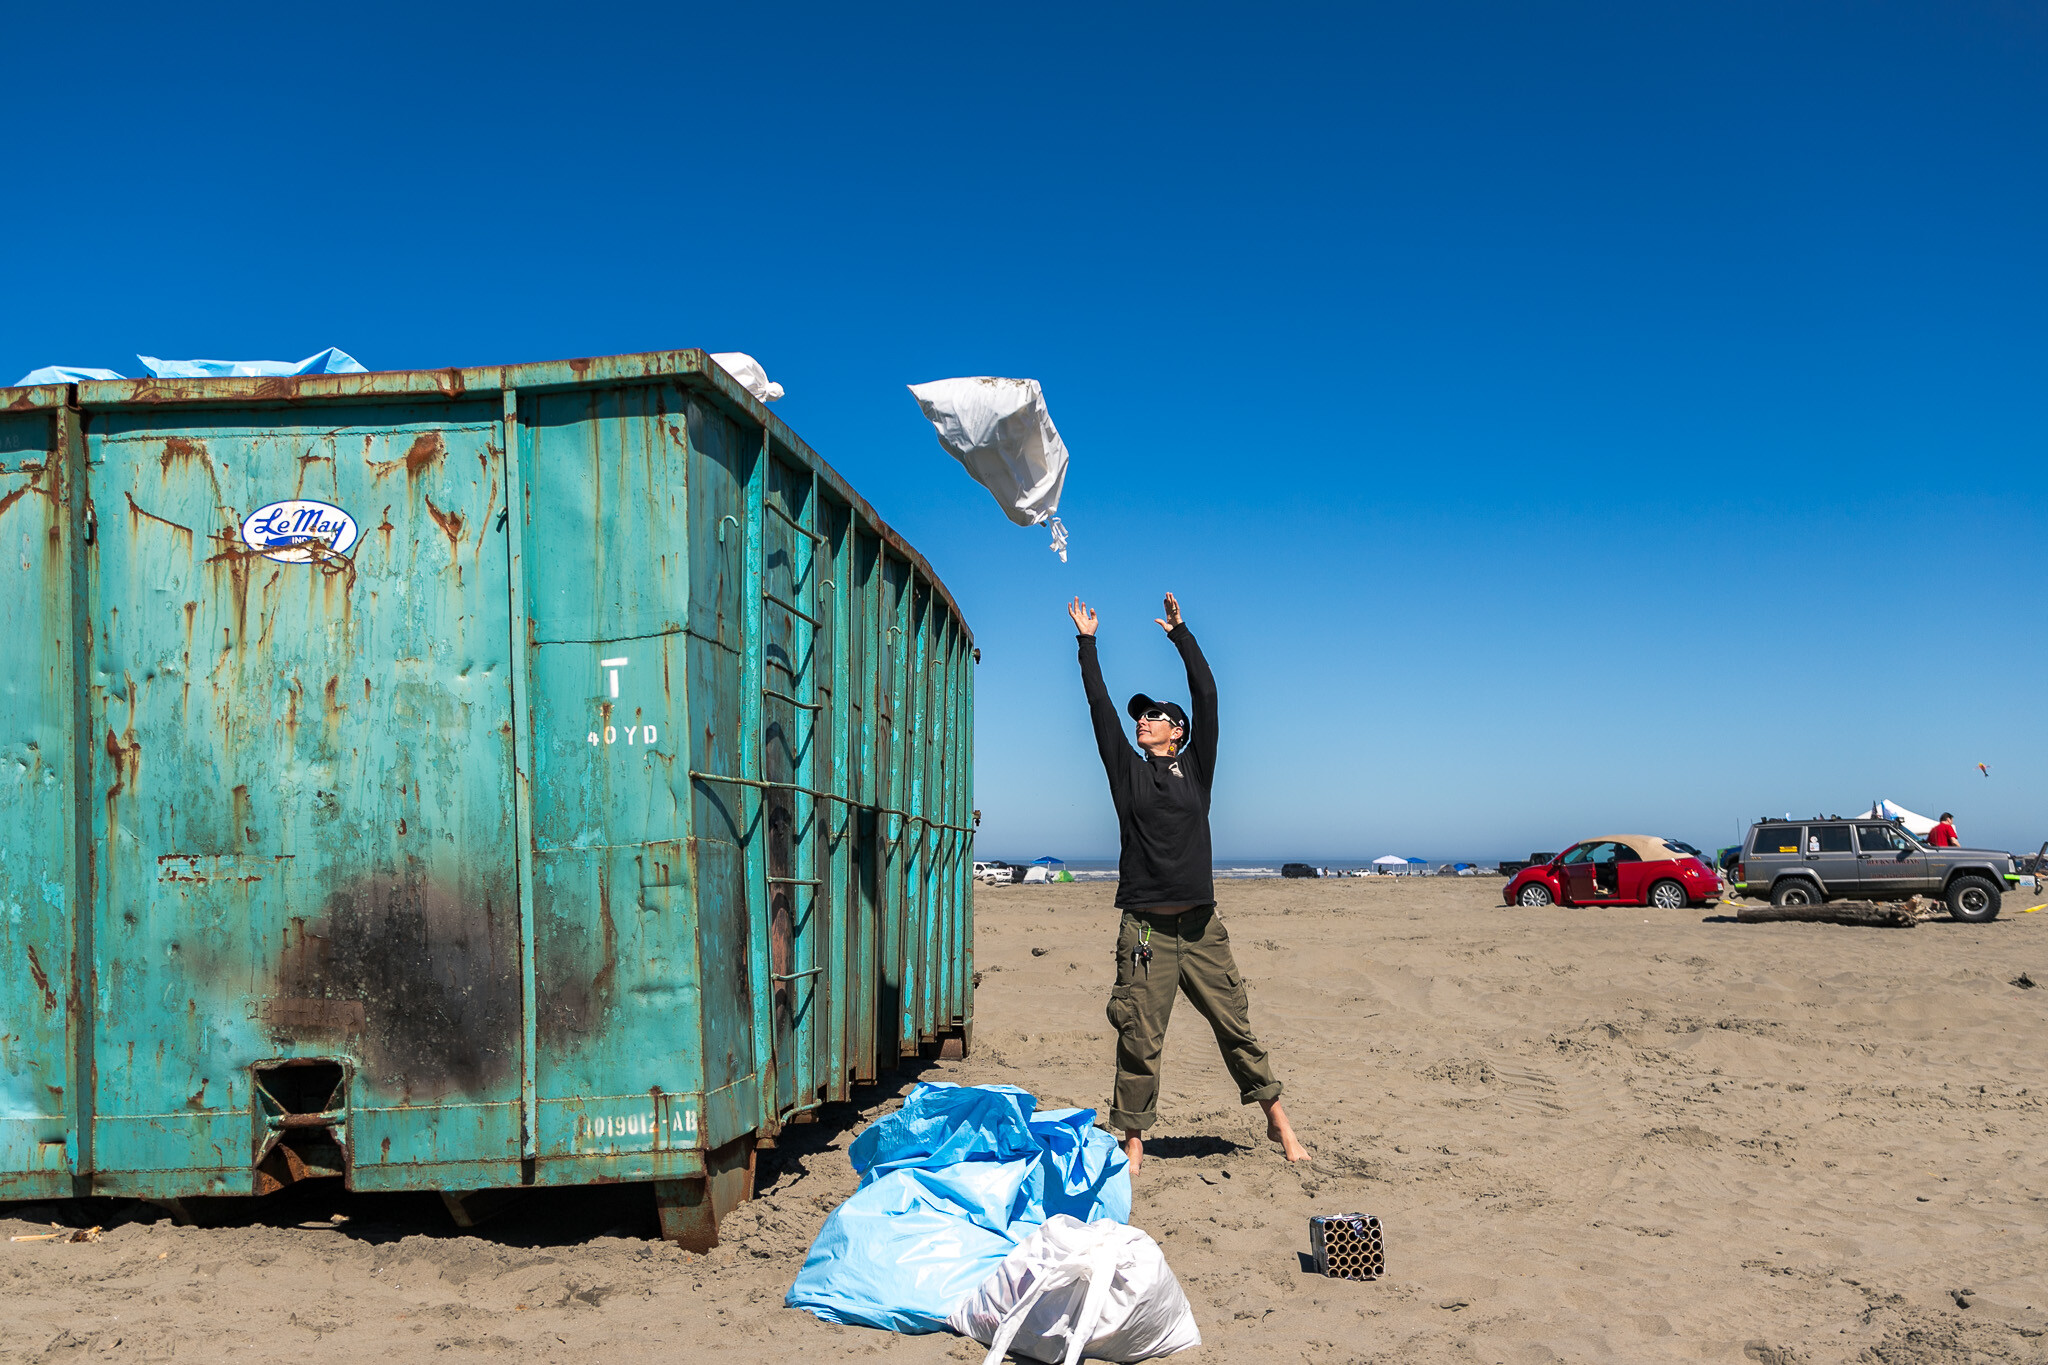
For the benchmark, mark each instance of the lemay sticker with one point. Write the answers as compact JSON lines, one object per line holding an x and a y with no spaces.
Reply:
{"x":299,"y":530}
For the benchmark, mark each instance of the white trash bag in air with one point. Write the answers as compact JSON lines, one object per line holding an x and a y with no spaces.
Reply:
{"x":1071,"y":1290}
{"x":1000,"y":431}
{"x":748,"y":371}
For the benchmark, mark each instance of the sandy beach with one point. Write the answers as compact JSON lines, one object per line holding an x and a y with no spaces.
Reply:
{"x":1610,"y":1134}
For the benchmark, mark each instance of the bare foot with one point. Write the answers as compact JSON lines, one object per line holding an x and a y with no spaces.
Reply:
{"x":1134,"y":1148}
{"x":1279,"y":1130}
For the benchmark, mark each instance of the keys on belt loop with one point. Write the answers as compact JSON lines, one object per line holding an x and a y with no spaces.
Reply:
{"x":1142,"y":954}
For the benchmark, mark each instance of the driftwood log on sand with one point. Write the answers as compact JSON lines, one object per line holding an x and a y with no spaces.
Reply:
{"x":1873,"y":914}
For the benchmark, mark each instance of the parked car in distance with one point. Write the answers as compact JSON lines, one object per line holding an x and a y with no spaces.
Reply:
{"x":1805,"y":862}
{"x":994,"y":874}
{"x":1299,"y":870}
{"x":1617,"y":869}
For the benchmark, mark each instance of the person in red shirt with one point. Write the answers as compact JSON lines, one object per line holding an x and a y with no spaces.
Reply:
{"x":1943,"y":835}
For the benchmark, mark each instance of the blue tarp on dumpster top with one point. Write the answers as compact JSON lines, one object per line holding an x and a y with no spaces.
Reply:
{"x":63,"y":374}
{"x":329,"y":361}
{"x":950,"y":1184}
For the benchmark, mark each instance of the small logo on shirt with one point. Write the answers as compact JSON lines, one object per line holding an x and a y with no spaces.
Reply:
{"x":1174,"y":768}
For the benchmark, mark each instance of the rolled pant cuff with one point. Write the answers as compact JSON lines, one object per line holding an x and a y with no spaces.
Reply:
{"x":1262,"y":1094}
{"x":1125,"y":1122}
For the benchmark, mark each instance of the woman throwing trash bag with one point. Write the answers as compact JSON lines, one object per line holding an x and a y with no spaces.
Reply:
{"x":1171,"y":939}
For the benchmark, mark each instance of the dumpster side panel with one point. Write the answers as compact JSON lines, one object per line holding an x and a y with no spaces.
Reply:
{"x":38,"y":790}
{"x":836,"y":984}
{"x":723,"y":815}
{"x":302,"y":793}
{"x":894,"y":837}
{"x":619,"y":991}
{"x":969,"y":817}
{"x":863,"y":668}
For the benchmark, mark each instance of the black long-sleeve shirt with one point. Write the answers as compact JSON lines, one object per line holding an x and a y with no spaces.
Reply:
{"x":1162,"y":804}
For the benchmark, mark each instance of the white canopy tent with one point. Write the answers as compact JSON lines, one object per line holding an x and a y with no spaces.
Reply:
{"x":1892,"y":810}
{"x":1391,"y":863}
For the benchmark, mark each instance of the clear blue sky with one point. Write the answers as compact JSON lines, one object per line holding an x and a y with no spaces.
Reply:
{"x":1555,"y":419}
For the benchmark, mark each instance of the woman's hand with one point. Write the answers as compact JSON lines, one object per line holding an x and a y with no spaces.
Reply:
{"x":1084,"y":616}
{"x":1172,"y":617}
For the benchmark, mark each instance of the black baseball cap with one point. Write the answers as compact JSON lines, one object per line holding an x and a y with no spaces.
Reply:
{"x":1140,"y":704}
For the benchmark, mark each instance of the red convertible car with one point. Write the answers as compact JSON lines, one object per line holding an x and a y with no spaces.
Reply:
{"x":1618,"y":869}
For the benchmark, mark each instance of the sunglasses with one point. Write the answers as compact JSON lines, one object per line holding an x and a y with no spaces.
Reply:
{"x":1158,"y":715}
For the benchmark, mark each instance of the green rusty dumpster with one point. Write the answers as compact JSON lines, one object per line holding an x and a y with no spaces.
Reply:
{"x":460,"y":780}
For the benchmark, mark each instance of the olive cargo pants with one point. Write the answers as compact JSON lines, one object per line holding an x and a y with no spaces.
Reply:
{"x":1190,"y":951}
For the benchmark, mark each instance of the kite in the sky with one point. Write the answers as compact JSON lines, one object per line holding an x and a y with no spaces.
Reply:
{"x":1984,"y":770}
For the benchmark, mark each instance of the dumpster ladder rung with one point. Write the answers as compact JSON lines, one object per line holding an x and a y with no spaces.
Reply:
{"x":792,"y":608}
{"x":830,"y":796}
{"x":795,"y":525}
{"x":784,"y":696}
{"x":795,"y":976}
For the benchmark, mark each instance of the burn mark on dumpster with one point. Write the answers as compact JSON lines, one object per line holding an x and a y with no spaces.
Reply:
{"x":35,"y":969}
{"x":433,"y":971}
{"x":322,"y":1018}
{"x":606,"y":980}
{"x":577,"y":992}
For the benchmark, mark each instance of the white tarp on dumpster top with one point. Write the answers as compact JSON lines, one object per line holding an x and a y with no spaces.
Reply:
{"x":1000,"y":431}
{"x":748,"y":371}
{"x":1892,"y":810}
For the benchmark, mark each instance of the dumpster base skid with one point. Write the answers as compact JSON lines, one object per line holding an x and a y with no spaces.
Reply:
{"x":692,"y":1209}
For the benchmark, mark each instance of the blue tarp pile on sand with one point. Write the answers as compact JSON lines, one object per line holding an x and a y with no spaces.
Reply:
{"x":949,"y":1184}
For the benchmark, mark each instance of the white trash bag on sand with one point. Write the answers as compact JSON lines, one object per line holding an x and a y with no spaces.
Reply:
{"x":1000,"y":431}
{"x":1071,"y":1290}
{"x":748,"y":371}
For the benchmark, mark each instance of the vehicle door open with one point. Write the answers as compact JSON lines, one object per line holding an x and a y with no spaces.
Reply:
{"x":1589,"y":872}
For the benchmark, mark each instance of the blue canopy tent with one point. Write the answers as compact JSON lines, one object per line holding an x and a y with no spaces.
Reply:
{"x":1055,"y":870}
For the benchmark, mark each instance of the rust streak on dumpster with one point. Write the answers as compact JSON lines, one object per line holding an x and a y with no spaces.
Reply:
{"x":428,"y":449}
{"x":35,"y":969}
{"x":137,"y":514}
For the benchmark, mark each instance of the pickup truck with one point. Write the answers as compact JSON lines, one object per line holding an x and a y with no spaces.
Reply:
{"x":1801,"y":862}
